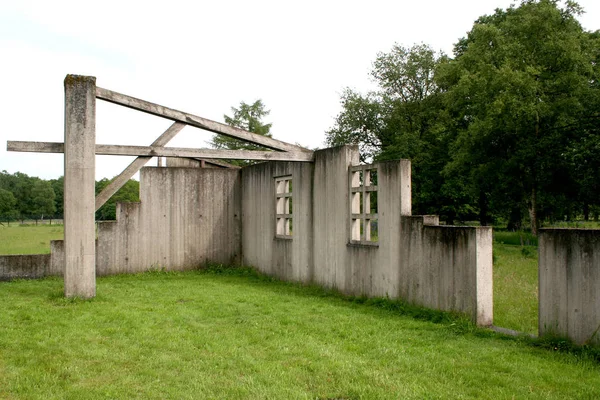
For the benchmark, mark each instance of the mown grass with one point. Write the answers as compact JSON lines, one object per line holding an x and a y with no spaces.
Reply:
{"x":28,"y":239}
{"x":232,"y":334}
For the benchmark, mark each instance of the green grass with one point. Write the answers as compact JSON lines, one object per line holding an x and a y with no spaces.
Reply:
{"x":516,"y":287}
{"x":515,"y":238}
{"x":28,"y":239}
{"x":235,"y":335}
{"x":576,"y":224}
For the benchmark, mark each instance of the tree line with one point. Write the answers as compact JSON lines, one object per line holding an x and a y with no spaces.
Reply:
{"x":24,"y":197}
{"x":507,"y":130}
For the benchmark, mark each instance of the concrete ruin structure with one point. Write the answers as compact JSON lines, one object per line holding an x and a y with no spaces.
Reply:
{"x":306,"y":216}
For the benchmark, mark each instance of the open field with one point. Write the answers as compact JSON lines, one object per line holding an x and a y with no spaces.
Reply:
{"x":237,"y":335}
{"x":28,"y":239}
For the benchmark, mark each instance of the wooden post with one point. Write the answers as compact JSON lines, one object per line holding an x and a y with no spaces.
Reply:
{"x":79,"y":191}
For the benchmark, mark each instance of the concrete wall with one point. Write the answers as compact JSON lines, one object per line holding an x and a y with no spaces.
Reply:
{"x":290,"y":259}
{"x":190,"y":216}
{"x":569,"y":284}
{"x":32,"y":266}
{"x":446,"y":268}
{"x":186,"y":218}
{"x":24,"y":266}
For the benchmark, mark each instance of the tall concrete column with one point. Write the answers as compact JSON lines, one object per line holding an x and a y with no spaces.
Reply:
{"x":79,"y":181}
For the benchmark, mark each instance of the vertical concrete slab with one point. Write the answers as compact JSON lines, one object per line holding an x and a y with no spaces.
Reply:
{"x":485,"y":276}
{"x":79,"y":181}
{"x":569,"y":284}
{"x":331,"y":215}
{"x":552,"y":281}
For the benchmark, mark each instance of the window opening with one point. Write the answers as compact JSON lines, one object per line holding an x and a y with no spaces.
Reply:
{"x":284,"y":207}
{"x":363,"y":204}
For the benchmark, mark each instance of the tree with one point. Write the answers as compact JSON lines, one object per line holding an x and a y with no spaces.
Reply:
{"x":359,"y":123}
{"x":129,"y":193}
{"x":58,"y":185}
{"x":21,"y":187}
{"x":42,"y":199}
{"x":517,"y":87}
{"x":7,"y":204}
{"x":405,"y":118}
{"x":249,"y":118}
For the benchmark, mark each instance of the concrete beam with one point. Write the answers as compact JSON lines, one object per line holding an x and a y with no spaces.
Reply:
{"x":135,"y":166}
{"x":79,"y":181}
{"x":153,"y":151}
{"x":193,"y":120}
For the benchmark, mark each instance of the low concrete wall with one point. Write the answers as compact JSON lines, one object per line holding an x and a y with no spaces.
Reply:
{"x":569,"y":284}
{"x":28,"y":266}
{"x":448,"y":268}
{"x":33,"y":266}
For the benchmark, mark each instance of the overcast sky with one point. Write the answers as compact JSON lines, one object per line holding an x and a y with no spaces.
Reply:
{"x":203,"y":57}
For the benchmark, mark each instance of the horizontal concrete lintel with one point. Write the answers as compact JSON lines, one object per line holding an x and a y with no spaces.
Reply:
{"x":194,"y":120}
{"x":153,"y":151}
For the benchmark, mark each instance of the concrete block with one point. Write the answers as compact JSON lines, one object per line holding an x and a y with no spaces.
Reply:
{"x":29,"y":266}
{"x":569,"y":284}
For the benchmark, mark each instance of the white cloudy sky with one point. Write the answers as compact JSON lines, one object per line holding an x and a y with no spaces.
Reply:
{"x":203,"y":57}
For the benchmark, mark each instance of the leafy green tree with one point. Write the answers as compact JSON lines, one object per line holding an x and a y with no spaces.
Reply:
{"x":359,"y":123}
{"x":7,"y":204}
{"x":42,"y":199}
{"x":130,"y":192}
{"x":58,"y":187}
{"x":249,"y":118}
{"x":22,"y":185}
{"x":405,"y":118}
{"x":518,"y":86}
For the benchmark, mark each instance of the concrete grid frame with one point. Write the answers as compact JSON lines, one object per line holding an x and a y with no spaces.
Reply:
{"x":363,"y":204}
{"x":284,"y":207}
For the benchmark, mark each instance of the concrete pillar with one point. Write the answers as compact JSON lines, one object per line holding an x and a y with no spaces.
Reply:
{"x":79,"y":181}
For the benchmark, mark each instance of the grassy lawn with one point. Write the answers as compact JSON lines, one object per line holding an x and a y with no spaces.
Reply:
{"x":237,"y":336}
{"x":28,"y":239}
{"x":516,"y":287}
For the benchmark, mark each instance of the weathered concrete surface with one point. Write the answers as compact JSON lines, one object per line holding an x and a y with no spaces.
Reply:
{"x":27,"y":266}
{"x":187,"y":217}
{"x":79,"y":181}
{"x":290,"y":259}
{"x":446,"y":268}
{"x":331,"y":208}
{"x":569,"y":284}
{"x":159,"y":151}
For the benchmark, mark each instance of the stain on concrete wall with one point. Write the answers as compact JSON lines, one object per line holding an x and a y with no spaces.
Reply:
{"x":569,"y":284}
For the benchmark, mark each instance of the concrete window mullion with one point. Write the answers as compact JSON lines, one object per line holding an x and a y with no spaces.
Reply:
{"x":284,"y":207}
{"x":363,"y":204}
